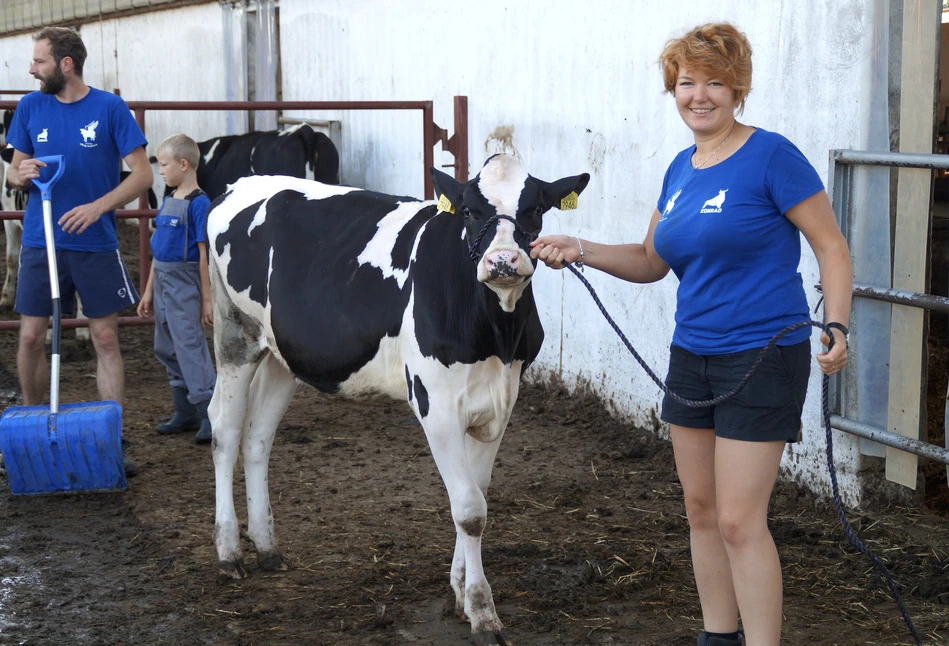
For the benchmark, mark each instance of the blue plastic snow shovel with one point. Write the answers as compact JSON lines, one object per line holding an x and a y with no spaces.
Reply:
{"x":74,"y":448}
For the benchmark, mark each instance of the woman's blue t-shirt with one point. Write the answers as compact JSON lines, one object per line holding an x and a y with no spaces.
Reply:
{"x":723,"y":232}
{"x":93,"y":134}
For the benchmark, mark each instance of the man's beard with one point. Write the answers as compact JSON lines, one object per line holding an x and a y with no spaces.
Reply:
{"x":54,"y":83}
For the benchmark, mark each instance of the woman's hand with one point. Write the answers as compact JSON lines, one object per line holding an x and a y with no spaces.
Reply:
{"x":834,"y":359}
{"x":556,"y":251}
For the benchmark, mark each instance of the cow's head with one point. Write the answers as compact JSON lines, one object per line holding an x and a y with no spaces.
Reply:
{"x":503,"y":209}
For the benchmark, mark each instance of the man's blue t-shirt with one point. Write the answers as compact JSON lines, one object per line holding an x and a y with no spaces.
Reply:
{"x":724,"y":234}
{"x":169,"y":240}
{"x":93,"y":134}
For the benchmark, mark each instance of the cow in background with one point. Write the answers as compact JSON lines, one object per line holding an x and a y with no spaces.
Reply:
{"x":297,"y":151}
{"x":11,"y":199}
{"x":5,"y":128}
{"x":359,"y":293}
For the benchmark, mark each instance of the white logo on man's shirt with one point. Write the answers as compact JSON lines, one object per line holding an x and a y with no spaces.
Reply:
{"x":43,"y":136}
{"x":89,"y":133}
{"x":714,"y":205}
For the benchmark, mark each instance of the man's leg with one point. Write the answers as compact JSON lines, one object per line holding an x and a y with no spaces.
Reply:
{"x":31,"y":359}
{"x":110,"y":372}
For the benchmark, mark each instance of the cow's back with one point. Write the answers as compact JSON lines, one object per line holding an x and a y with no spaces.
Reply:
{"x":312,"y":264}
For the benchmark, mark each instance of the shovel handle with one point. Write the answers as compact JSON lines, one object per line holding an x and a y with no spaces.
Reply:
{"x":47,"y":185}
{"x":46,"y":191}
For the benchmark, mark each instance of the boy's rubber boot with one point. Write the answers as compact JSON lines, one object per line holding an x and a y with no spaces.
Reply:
{"x":185,"y":417}
{"x":204,"y":432}
{"x":705,"y":640}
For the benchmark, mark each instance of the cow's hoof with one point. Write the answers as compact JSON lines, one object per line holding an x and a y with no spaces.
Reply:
{"x":272,"y":562}
{"x":492,"y":639}
{"x":231,"y":570}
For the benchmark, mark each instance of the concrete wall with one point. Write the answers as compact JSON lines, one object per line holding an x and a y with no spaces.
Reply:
{"x":582,"y":91}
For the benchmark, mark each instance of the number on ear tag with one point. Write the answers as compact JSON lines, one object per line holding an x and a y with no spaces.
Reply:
{"x":444,"y":204}
{"x":570,"y":202}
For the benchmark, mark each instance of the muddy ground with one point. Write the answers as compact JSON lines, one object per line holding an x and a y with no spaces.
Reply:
{"x":586,"y":541}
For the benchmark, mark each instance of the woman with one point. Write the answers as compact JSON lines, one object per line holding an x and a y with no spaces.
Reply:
{"x":727,"y":223}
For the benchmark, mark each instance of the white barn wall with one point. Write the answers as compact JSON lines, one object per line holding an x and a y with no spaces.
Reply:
{"x":584,"y":94}
{"x":581,"y":88}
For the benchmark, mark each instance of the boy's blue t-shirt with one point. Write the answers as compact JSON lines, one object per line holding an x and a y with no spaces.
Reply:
{"x":168,"y":240}
{"x":93,"y":134}
{"x":723,"y":232}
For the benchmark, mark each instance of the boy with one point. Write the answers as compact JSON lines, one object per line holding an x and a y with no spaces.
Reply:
{"x":179,"y":287}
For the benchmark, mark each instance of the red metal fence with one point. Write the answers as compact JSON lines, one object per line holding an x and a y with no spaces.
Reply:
{"x":457,"y":145}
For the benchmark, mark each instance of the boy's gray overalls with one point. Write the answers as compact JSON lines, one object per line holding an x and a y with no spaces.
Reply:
{"x":180,"y":344}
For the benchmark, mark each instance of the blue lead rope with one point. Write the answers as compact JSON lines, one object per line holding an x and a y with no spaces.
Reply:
{"x":825,"y":383}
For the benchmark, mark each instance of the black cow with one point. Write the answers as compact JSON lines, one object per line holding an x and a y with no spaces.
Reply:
{"x":356,"y":293}
{"x":298,"y":151}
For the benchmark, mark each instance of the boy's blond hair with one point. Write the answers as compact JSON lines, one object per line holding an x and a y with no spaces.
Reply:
{"x":181,"y":147}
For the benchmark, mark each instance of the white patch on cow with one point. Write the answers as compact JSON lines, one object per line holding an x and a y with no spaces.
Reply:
{"x":289,"y":131}
{"x":384,"y":374}
{"x":378,"y":251}
{"x":210,"y":154}
{"x":501,"y":183}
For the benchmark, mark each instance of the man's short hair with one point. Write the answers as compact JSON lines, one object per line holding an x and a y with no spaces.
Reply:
{"x":64,"y":42}
{"x":181,"y":147}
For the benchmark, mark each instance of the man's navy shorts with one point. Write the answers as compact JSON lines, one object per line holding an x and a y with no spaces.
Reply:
{"x":100,"y":277}
{"x":767,"y":409}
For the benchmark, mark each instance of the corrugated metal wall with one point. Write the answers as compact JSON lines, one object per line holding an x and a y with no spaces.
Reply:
{"x":20,"y":15}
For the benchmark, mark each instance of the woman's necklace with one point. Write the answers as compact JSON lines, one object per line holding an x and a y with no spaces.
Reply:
{"x":719,"y":147}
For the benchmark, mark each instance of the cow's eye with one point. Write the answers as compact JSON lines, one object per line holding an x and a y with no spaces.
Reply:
{"x":466,"y":211}
{"x":539,"y":209}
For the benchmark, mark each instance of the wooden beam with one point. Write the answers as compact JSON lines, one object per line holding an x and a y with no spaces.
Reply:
{"x":917,"y":117}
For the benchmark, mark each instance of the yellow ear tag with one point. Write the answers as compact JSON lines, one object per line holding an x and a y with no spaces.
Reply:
{"x":570,"y":202}
{"x":444,"y":204}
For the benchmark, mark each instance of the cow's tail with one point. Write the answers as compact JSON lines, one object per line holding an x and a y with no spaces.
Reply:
{"x":309,"y":145}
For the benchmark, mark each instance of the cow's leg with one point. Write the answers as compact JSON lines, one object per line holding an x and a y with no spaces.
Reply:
{"x":13,"y":231}
{"x":481,"y":462}
{"x":227,"y":412}
{"x":271,"y":392}
{"x":469,"y":509}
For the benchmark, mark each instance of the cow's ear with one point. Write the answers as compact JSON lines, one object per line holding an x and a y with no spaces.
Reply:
{"x":448,"y":190}
{"x":563,"y":193}
{"x":7,"y":154}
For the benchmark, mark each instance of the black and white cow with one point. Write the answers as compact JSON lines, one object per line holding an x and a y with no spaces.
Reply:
{"x":358,"y":293}
{"x":5,"y":127}
{"x":11,"y":199}
{"x":297,"y":151}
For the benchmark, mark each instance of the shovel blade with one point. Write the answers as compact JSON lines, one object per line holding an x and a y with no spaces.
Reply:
{"x":79,"y":449}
